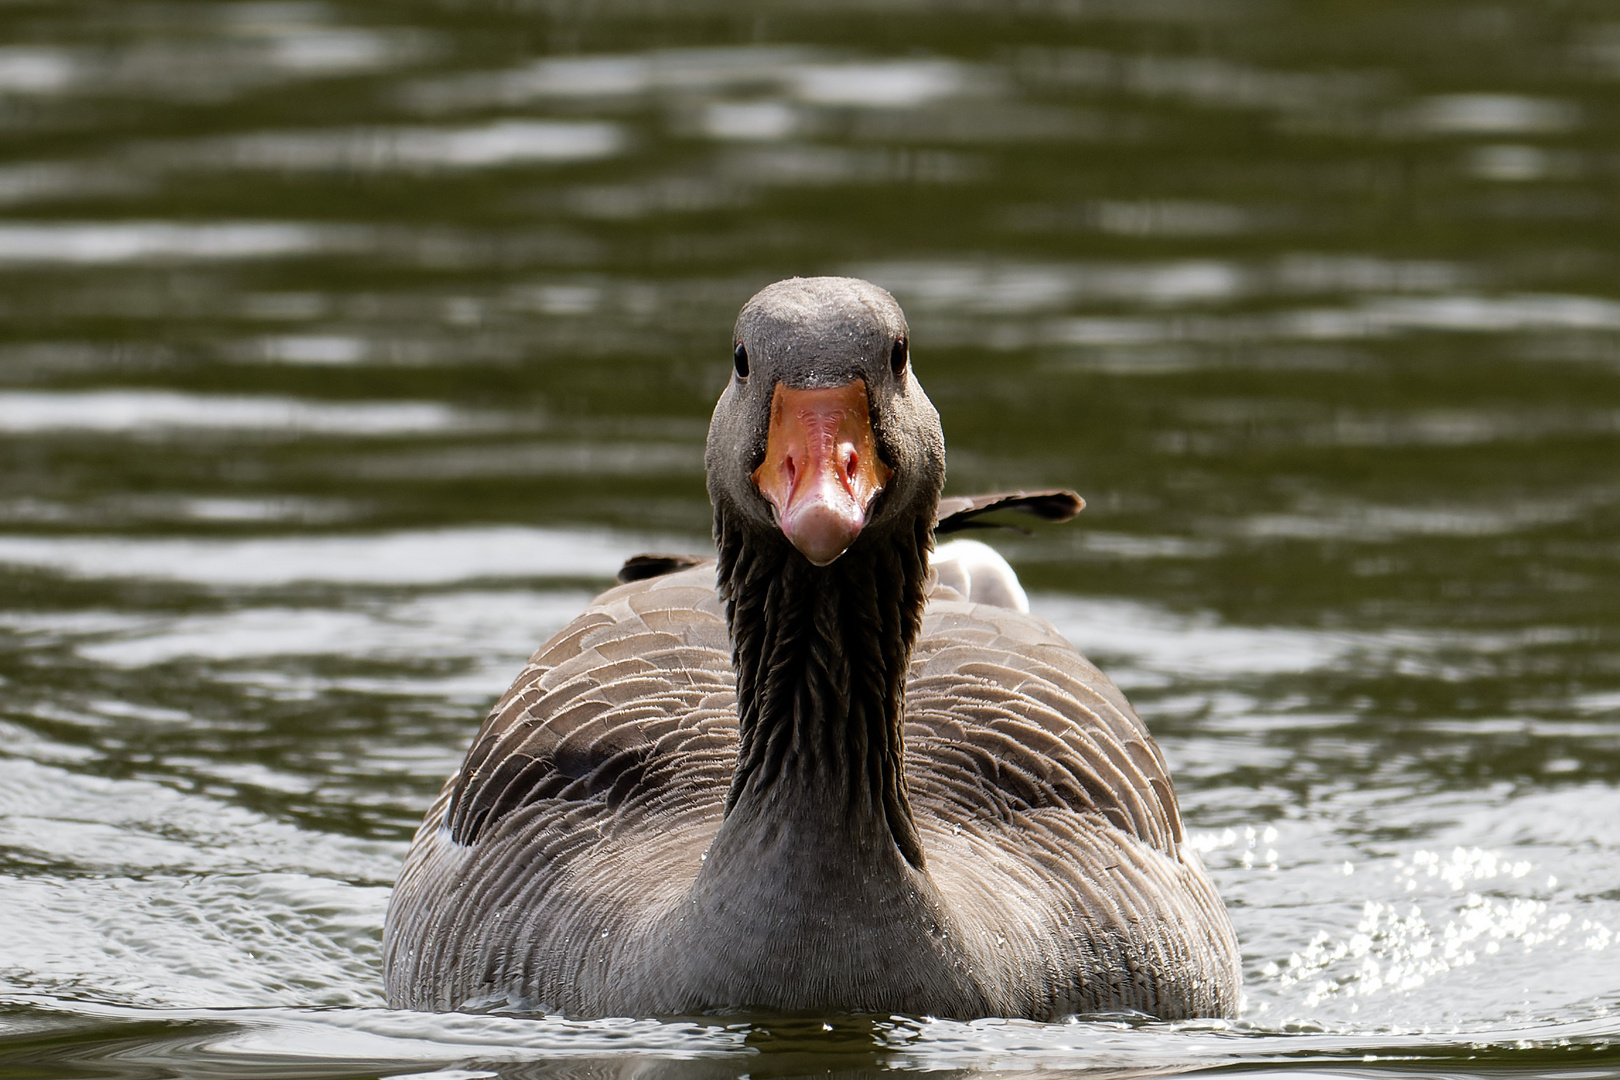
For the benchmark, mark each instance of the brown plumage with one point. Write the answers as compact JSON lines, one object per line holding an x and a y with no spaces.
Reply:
{"x":774,"y":784}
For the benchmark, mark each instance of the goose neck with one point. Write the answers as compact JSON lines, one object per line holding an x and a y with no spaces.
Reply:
{"x":821,"y":655}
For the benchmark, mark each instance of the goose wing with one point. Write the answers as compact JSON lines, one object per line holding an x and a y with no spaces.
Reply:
{"x":590,"y":792}
{"x":959,"y":512}
{"x":1003,"y":715}
{"x":1049,"y":820}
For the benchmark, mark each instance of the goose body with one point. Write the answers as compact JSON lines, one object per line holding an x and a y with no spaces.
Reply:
{"x":793,"y":781}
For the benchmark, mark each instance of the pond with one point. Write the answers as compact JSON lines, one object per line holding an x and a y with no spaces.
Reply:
{"x":346,"y":349}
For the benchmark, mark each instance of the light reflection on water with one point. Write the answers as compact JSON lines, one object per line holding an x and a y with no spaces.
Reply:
{"x":410,"y":558}
{"x":128,"y":411}
{"x":344,"y":351}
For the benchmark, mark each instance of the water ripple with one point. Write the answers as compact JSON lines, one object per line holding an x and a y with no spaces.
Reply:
{"x":410,"y":557}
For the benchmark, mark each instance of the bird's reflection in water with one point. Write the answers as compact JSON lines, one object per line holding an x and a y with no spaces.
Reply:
{"x":835,"y":1047}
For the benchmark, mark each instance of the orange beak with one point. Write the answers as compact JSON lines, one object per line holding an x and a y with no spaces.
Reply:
{"x":821,"y":469}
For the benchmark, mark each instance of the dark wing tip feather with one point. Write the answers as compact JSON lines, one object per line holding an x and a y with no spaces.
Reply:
{"x":959,"y":512}
{"x":641,"y":567}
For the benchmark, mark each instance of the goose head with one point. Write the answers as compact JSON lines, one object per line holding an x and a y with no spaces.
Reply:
{"x":823,"y":436}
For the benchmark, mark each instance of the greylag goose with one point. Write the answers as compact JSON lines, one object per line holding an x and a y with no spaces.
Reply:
{"x":811,"y":776}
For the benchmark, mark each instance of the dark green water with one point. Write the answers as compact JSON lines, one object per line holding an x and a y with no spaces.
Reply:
{"x":345,"y":348}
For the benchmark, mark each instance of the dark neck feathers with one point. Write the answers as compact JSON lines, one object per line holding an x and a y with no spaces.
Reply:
{"x":821,"y":657}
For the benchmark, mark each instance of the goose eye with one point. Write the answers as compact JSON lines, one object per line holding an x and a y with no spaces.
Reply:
{"x":739,"y":360}
{"x":897,"y":358}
